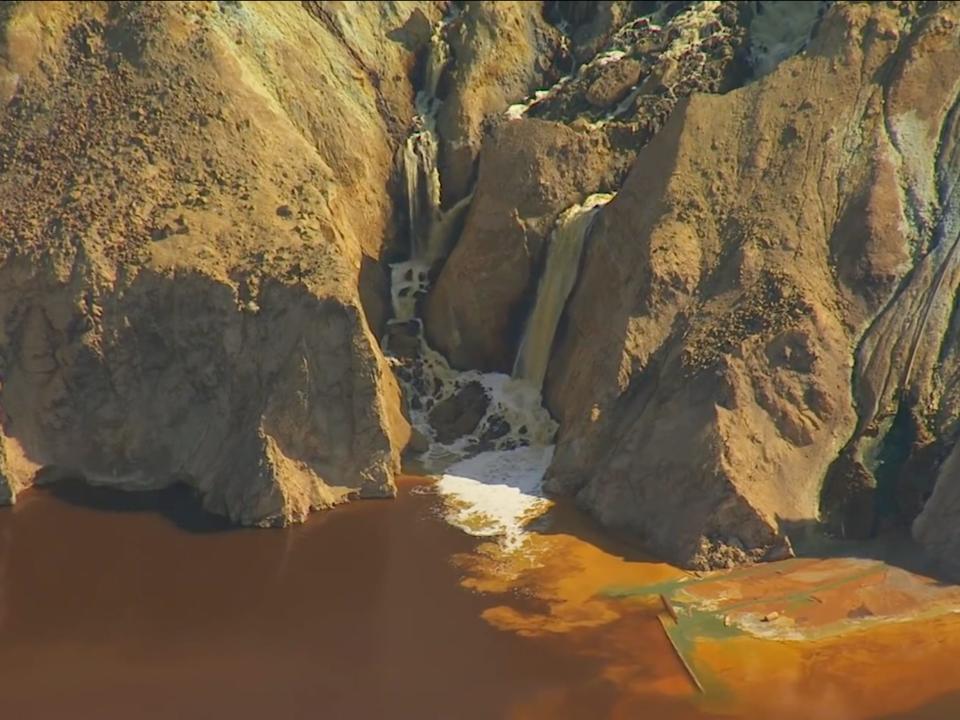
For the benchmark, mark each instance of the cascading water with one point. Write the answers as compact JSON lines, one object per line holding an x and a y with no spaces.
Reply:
{"x":559,"y":276}
{"x":512,"y":415}
{"x":498,"y":492}
{"x":418,"y":162}
{"x":438,"y":58}
{"x":488,"y":433}
{"x":422,"y":183}
{"x":430,"y":228}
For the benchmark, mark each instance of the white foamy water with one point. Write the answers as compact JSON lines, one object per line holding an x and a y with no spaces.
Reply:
{"x":515,"y":402}
{"x":497,"y":493}
{"x":493,"y":493}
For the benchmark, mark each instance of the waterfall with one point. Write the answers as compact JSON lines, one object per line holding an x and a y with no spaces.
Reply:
{"x":437,"y":60}
{"x":512,"y":415}
{"x":408,"y":282}
{"x":559,"y":276}
{"x":422,"y":184}
{"x":429,"y":226}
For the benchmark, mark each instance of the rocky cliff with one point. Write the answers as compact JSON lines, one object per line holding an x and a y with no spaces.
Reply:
{"x":193,"y":203}
{"x":199,"y":203}
{"x":761,"y":338}
{"x":751,"y":323}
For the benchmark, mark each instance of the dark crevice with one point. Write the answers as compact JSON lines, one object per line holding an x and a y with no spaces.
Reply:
{"x":892,"y":455}
{"x":880,"y":484}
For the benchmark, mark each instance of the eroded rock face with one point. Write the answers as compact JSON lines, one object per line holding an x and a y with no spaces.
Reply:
{"x":187,"y":227}
{"x":501,"y":52}
{"x":581,"y":138}
{"x":530,"y":171}
{"x":703,"y":383}
{"x":761,"y":338}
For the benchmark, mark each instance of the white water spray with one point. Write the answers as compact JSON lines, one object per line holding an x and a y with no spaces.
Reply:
{"x":491,"y":475}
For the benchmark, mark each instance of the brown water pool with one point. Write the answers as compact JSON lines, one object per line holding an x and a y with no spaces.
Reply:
{"x":139,"y":606}
{"x":118,"y":605}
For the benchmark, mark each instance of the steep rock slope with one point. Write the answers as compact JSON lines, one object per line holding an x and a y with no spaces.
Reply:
{"x":765,"y":299}
{"x":762,"y":335}
{"x":578,"y":138}
{"x":188,"y":222}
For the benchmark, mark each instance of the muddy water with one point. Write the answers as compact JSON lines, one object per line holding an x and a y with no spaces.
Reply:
{"x":139,"y":606}
{"x":879,"y":642}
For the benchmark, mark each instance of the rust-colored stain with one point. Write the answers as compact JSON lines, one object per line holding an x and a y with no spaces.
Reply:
{"x":832,"y":639}
{"x":110,"y":602}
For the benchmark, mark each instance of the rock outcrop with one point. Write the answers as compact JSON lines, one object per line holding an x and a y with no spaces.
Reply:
{"x":762,"y":335}
{"x":500,"y":53}
{"x":190,"y":229}
{"x":198,"y":203}
{"x":779,"y":285}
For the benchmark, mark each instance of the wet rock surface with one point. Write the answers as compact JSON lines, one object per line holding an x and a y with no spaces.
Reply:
{"x":459,"y":414}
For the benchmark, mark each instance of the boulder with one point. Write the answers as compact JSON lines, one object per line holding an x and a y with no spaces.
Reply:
{"x":614,"y":83}
{"x":459,"y":414}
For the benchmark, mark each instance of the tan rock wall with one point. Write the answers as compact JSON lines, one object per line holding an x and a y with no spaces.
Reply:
{"x":190,"y":195}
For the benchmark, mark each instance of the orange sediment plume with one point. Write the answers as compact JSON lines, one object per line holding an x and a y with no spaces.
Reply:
{"x":838,"y":638}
